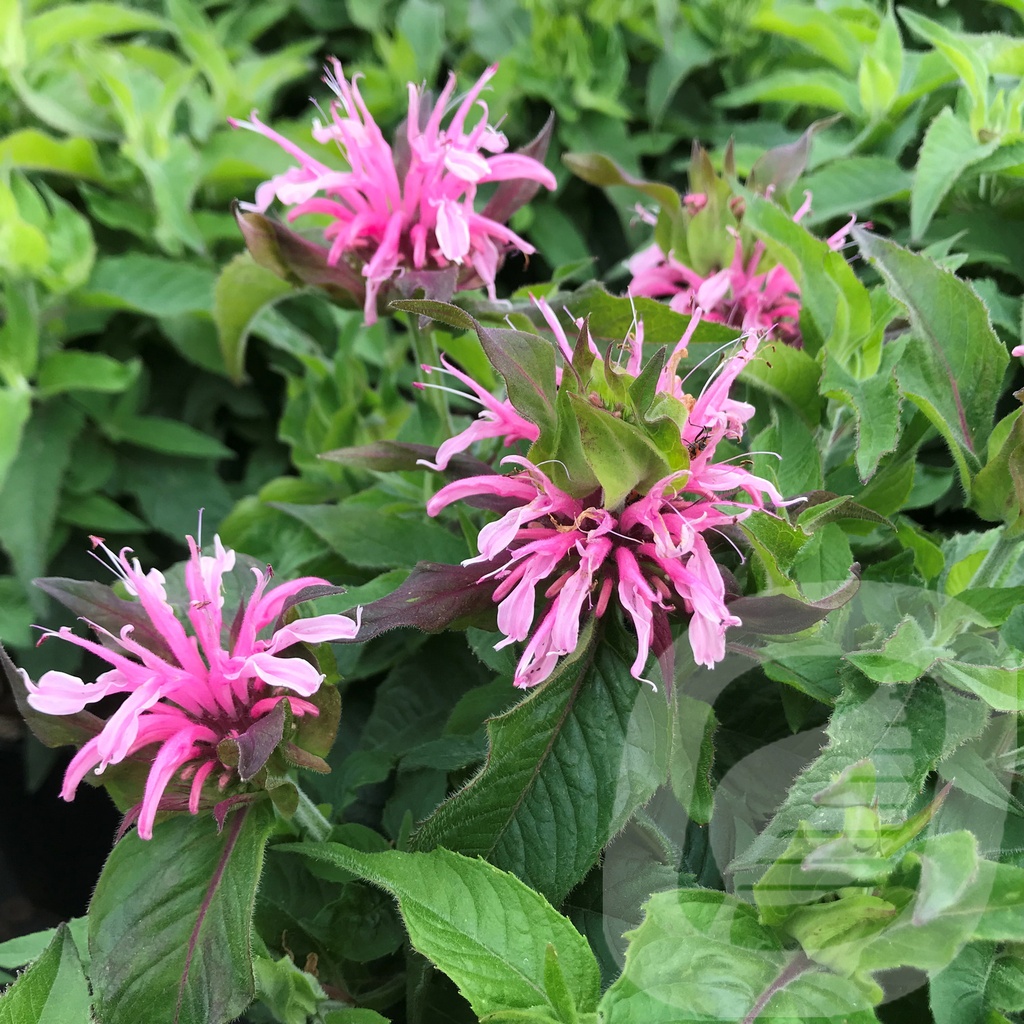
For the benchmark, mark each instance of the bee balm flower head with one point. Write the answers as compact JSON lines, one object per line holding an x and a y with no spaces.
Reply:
{"x":562,"y":553}
{"x":185,"y":692}
{"x":408,"y":207}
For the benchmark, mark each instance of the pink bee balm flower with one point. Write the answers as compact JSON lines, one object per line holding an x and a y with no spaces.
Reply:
{"x":570,"y":556}
{"x":744,"y":294}
{"x":196,"y":692}
{"x":563,"y":558}
{"x":411,"y":206}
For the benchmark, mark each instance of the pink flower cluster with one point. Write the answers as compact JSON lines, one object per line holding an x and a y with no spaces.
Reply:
{"x":187,"y":699}
{"x":743,"y":295}
{"x":564,"y":557}
{"x":407,"y":207}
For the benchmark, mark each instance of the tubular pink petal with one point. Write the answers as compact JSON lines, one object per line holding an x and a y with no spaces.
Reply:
{"x":637,"y":599}
{"x":194,"y":793}
{"x":501,"y":486}
{"x":81,"y":764}
{"x":59,"y":693}
{"x":291,"y":673}
{"x":175,"y":752}
{"x":512,"y":166}
{"x":452,"y":230}
{"x":318,"y":630}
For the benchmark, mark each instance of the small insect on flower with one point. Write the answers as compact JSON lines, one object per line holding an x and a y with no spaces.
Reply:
{"x":700,"y":442}
{"x":185,"y":692}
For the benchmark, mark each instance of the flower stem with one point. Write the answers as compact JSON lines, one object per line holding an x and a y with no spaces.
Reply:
{"x":309,"y":819}
{"x":427,"y":353}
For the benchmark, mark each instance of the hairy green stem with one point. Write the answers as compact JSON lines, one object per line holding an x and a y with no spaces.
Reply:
{"x":309,"y":819}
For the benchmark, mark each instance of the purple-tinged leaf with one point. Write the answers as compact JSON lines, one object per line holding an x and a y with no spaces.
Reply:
{"x":251,"y":750}
{"x":299,"y":261}
{"x":511,"y":195}
{"x":439,"y":285}
{"x":223,"y":808}
{"x":170,"y":923}
{"x":304,"y":759}
{"x":310,"y":593}
{"x":782,"y":166}
{"x":777,"y":614}
{"x":434,"y":597}
{"x":596,"y":169}
{"x":97,"y":603}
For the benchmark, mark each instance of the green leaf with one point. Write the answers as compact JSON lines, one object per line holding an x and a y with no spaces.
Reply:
{"x":33,"y":150}
{"x":98,"y":514}
{"x":703,"y":956}
{"x":24,"y":949}
{"x":903,"y":731}
{"x":30,"y":495}
{"x":954,"y":362}
{"x":243,"y":290}
{"x":422,"y":23}
{"x":998,"y":490}
{"x":949,"y":148}
{"x":620,"y":455}
{"x":837,"y":302}
{"x":160,"y":434}
{"x":150,"y":285}
{"x":192,"y":894}
{"x":376,"y":532}
{"x":853,"y":184}
{"x":78,"y":23}
{"x":816,"y":88}
{"x":525,"y":362}
{"x":199,"y":39}
{"x":789,"y":374}
{"x":1001,"y":688}
{"x":483,"y":927}
{"x":776,"y":544}
{"x":612,"y":317}
{"x":513,"y":812}
{"x":291,"y":995}
{"x":956,"y":992}
{"x":991,"y":606}
{"x":823,"y":507}
{"x":959,"y":51}
{"x":902,"y":658}
{"x":692,"y":754}
{"x":596,"y":169}
{"x":52,"y":989}
{"x":15,"y":409}
{"x":358,"y":1015}
{"x":876,"y":405}
{"x":85,"y":371}
{"x":817,"y":30}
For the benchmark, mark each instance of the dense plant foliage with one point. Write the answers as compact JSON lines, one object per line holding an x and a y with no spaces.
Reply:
{"x":642,"y":487}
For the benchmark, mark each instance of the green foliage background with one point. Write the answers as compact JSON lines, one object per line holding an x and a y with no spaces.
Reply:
{"x":148,"y":368}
